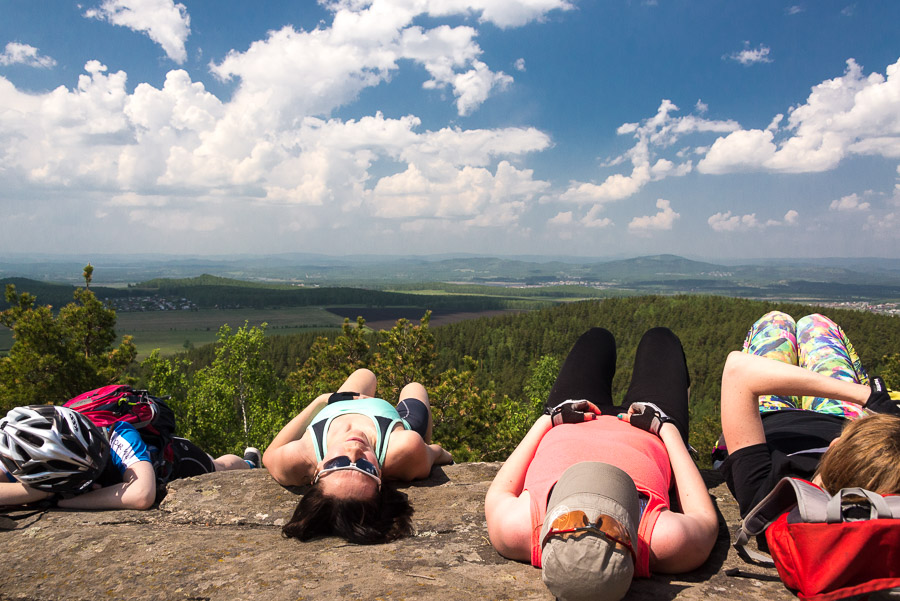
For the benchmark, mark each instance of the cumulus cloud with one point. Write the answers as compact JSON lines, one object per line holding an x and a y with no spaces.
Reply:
{"x":520,"y":64}
{"x":751,"y":56}
{"x":562,"y":218}
{"x":593,"y":220}
{"x":180,"y":141}
{"x":24,"y":54}
{"x":502,"y":13}
{"x":851,"y":202}
{"x":848,"y":115}
{"x":652,"y":135}
{"x":662,"y":220}
{"x":791,"y":217}
{"x":274,"y":145}
{"x":361,"y":49}
{"x":163,"y":21}
{"x":726,"y":222}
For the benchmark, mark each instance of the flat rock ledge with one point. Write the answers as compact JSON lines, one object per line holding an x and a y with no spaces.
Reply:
{"x":217,"y":537}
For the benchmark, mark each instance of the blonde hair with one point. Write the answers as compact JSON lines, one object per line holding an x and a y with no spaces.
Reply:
{"x":867,"y":455}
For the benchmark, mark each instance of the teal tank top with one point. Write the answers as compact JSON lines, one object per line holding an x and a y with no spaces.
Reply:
{"x":382,"y":414}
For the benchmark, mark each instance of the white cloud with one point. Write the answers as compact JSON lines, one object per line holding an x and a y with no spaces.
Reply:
{"x":663,"y":220}
{"x":472,"y":195}
{"x":851,"y":202}
{"x":790,"y":218}
{"x":849,"y":10}
{"x":165,"y":22}
{"x":701,"y":107}
{"x":848,"y":115}
{"x":794,"y":9}
{"x":24,"y":54}
{"x":562,"y":218}
{"x":653,"y":134}
{"x":726,"y":222}
{"x":593,"y":220}
{"x":502,"y":13}
{"x":181,"y":142}
{"x":361,"y":49}
{"x":751,"y":56}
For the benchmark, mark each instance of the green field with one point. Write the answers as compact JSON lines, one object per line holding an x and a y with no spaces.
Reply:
{"x":171,"y":331}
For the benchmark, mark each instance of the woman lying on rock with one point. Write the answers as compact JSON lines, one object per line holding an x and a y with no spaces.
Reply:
{"x":347,"y":445}
{"x":585,"y":495}
{"x":829,"y":423}
{"x":57,"y":454}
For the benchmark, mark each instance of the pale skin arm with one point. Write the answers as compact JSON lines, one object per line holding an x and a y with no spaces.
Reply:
{"x":415,"y":458}
{"x":681,"y":542}
{"x":16,"y":493}
{"x":136,"y":491}
{"x":283,"y":457}
{"x":746,"y":377}
{"x":506,"y":507}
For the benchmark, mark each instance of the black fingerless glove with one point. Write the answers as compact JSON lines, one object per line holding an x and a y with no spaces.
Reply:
{"x":572,"y":412}
{"x":648,"y":417}
{"x":880,"y":400}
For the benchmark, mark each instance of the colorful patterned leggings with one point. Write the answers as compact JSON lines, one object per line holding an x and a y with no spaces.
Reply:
{"x":815,"y":343}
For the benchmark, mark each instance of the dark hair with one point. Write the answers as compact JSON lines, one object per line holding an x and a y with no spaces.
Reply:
{"x":382,"y":519}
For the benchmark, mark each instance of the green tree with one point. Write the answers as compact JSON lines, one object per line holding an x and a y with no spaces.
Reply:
{"x":237,"y":401}
{"x":329,"y":363}
{"x":56,"y":357}
{"x":405,"y":354}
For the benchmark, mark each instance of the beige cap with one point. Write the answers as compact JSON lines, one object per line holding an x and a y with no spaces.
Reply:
{"x":590,"y":566}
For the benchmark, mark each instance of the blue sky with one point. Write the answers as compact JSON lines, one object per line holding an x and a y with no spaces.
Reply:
{"x":707,"y":128}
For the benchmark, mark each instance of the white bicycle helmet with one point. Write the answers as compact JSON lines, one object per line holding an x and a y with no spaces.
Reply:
{"x":54,"y":449}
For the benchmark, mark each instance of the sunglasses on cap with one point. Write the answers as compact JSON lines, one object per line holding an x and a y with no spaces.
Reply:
{"x":342,"y":462}
{"x":575,"y":523}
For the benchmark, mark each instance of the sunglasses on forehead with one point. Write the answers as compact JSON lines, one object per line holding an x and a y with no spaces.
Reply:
{"x":575,"y":523}
{"x":342,"y":462}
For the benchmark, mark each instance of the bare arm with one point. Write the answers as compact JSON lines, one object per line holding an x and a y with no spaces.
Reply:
{"x":16,"y":493}
{"x":283,"y":457}
{"x":746,"y":377}
{"x":409,"y":458}
{"x":681,"y":542}
{"x":508,"y":510}
{"x":137,"y":491}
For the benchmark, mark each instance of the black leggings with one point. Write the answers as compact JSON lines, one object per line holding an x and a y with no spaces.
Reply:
{"x":660,"y":374}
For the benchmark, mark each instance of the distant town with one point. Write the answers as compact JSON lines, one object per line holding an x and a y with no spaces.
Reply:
{"x":152,"y":303}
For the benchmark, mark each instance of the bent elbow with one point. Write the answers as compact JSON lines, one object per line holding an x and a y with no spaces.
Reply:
{"x":142,"y":500}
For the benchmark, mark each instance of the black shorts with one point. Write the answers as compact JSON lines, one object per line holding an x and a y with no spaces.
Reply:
{"x":415,"y":413}
{"x":190,"y":460}
{"x":795,"y":442}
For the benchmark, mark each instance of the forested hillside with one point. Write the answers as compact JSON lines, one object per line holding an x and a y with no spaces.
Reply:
{"x":514,"y":357}
{"x":487,"y":377}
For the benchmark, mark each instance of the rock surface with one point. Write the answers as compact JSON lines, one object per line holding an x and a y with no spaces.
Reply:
{"x":217,"y":537}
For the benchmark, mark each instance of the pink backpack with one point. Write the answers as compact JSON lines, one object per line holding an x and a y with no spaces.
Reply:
{"x":151,"y":416}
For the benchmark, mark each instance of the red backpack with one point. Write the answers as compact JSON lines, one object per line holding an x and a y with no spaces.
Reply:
{"x":151,"y":416}
{"x":825,"y":547}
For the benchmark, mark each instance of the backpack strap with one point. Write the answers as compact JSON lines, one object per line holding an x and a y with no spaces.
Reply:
{"x":808,"y":504}
{"x":879,"y":507}
{"x":789,"y":493}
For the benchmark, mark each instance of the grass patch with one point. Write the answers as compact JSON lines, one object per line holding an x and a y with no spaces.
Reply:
{"x":173,"y":331}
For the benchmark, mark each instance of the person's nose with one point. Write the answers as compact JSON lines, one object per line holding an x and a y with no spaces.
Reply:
{"x":355,"y":451}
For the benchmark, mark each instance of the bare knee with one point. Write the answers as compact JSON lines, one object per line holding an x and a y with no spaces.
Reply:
{"x":414,"y":390}
{"x":361,"y":381}
{"x":230,"y":462}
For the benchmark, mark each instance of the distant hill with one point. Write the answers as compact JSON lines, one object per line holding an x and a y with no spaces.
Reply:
{"x":810,"y":279}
